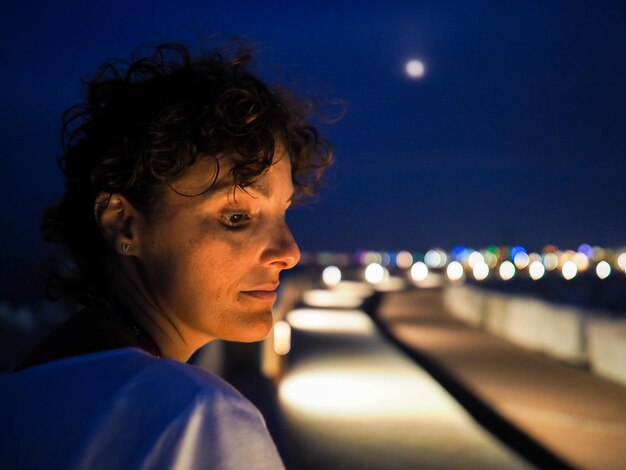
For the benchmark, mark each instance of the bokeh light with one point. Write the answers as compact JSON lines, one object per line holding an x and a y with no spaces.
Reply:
{"x":569,"y":270}
{"x":480,"y":271}
{"x":370,"y":257}
{"x":419,"y":271}
{"x":491,"y":259}
{"x":551,"y":261}
{"x":521,"y":259}
{"x":404,"y":260}
{"x":435,"y":258}
{"x":581,"y":260}
{"x":599,"y":254}
{"x":458,"y":253}
{"x":515,"y":250}
{"x":331,"y":275}
{"x":586,"y":250}
{"x":324,"y":258}
{"x":536,"y":270}
{"x":454,"y":271}
{"x":603,"y":269}
{"x":374,"y":273}
{"x":507,"y":270}
{"x":621,"y":261}
{"x":474,"y":259}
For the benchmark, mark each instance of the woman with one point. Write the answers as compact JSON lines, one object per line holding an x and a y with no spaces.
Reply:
{"x":179,"y":171}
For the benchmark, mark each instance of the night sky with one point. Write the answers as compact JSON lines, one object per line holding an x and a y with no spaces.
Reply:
{"x":516,"y":133}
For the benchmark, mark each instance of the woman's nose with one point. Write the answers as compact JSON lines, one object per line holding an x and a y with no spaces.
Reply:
{"x":282,"y":249}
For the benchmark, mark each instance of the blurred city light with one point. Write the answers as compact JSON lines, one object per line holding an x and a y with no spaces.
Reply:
{"x":536,"y":270}
{"x":454,"y":271}
{"x":474,"y":259}
{"x":419,"y":271}
{"x":586,"y":250}
{"x":598,"y":254}
{"x":521,"y":259}
{"x":435,"y":258}
{"x":325,"y":258}
{"x":491,"y":259}
{"x":282,"y":337}
{"x":515,"y":250}
{"x":569,"y":270}
{"x":370,"y":257}
{"x":404,"y":260}
{"x":331,"y":276}
{"x":581,"y":260}
{"x":621,"y":261}
{"x":480,"y":271}
{"x":460,"y":260}
{"x":458,"y":253}
{"x":603,"y":269}
{"x":507,"y":270}
{"x":375,"y":273}
{"x":551,"y":261}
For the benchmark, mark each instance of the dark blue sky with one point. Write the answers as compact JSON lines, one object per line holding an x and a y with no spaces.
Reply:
{"x":516,"y":133}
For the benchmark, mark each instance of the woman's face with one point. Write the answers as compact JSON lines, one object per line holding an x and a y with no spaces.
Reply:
{"x":211,"y":263}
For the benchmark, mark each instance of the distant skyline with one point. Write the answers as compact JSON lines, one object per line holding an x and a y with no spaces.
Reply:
{"x":515,"y":134}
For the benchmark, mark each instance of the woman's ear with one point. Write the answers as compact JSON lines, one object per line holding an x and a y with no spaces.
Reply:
{"x":118,"y":222}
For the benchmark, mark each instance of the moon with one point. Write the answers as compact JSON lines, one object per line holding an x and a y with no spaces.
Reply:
{"x":415,"y":68}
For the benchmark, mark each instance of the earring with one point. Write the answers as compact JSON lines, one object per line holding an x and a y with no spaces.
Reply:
{"x":125,"y":247}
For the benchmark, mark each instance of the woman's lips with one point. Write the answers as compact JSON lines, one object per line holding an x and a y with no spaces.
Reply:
{"x":267,"y":295}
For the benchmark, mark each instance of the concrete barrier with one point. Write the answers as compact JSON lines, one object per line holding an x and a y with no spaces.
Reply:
{"x":465,"y":303}
{"x":532,"y":323}
{"x":564,"y":333}
{"x":606,"y":348}
{"x":494,"y":316}
{"x":524,"y":322}
{"x":556,"y":330}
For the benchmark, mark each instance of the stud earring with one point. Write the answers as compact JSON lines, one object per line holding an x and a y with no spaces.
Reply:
{"x":125,"y":247}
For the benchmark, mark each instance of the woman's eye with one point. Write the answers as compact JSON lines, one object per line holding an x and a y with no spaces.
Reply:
{"x":235,"y":219}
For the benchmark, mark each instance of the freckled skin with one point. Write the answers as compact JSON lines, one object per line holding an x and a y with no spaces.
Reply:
{"x":198,"y":271}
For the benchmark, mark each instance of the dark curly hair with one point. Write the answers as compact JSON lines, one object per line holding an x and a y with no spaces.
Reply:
{"x":144,"y":123}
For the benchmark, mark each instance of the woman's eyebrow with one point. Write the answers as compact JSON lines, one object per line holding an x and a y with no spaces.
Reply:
{"x":259,"y":187}
{"x":262,"y":188}
{"x":265,"y":190}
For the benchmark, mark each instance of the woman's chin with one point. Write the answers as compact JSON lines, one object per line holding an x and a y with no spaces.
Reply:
{"x":254,"y":331}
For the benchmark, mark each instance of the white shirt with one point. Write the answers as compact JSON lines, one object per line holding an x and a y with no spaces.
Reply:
{"x":125,"y":409}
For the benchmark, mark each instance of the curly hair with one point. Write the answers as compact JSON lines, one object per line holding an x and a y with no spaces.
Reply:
{"x":144,"y":123}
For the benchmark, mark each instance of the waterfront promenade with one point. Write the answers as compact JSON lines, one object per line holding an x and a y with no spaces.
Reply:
{"x":574,"y":414}
{"x":406,"y":385}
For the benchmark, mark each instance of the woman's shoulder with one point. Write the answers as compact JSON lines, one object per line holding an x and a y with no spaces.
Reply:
{"x":124,"y":384}
{"x":182,"y":376}
{"x":128,"y":368}
{"x":159,"y":405}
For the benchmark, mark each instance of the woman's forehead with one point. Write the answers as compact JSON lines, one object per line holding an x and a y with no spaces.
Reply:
{"x":211,"y":177}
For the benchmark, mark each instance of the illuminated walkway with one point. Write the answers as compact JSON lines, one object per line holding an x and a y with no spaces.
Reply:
{"x":352,"y":400}
{"x":577,"y":415}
